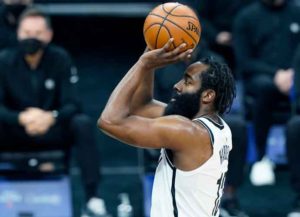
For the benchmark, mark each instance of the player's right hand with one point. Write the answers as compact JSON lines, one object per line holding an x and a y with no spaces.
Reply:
{"x":154,"y":59}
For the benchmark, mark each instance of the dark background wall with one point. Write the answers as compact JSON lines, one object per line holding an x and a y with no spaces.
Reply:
{"x":104,"y":48}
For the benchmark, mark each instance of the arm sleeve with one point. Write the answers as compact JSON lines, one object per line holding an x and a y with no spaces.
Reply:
{"x":68,"y":95}
{"x":247,"y":63}
{"x":6,"y":115}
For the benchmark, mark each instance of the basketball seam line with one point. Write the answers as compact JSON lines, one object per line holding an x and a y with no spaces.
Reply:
{"x":163,"y":23}
{"x":151,"y":26}
{"x":179,"y":15}
{"x":170,"y":35}
{"x":177,"y":26}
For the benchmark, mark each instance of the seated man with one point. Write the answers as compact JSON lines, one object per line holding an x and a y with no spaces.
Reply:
{"x":38,"y":103}
{"x":266,"y":34}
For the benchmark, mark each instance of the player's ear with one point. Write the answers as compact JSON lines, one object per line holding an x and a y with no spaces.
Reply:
{"x":208,"y":96}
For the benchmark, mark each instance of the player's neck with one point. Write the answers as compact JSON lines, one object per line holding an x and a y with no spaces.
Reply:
{"x":207,"y":112}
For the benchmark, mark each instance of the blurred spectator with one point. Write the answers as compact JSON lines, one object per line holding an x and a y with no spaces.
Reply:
{"x":293,"y":137}
{"x":164,"y":81}
{"x":297,"y":2}
{"x":10,"y":11}
{"x":266,"y":34}
{"x":217,"y":18}
{"x":39,"y":108}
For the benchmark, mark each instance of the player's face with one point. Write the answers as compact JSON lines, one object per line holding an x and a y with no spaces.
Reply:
{"x":34,"y":27}
{"x":186,"y":95}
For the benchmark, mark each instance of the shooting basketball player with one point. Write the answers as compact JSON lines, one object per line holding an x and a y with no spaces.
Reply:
{"x":194,"y":140}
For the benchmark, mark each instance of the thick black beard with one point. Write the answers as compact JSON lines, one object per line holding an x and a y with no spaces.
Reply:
{"x":187,"y":104}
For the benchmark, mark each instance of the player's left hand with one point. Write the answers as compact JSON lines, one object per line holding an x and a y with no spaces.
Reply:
{"x":153,"y":59}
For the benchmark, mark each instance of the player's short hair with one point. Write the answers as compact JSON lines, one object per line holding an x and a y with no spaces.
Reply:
{"x":219,"y":78}
{"x":34,"y":12}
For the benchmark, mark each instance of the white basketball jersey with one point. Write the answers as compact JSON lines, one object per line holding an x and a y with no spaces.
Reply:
{"x":195,"y":193}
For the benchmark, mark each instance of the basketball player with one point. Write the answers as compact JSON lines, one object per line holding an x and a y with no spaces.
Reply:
{"x":194,"y":140}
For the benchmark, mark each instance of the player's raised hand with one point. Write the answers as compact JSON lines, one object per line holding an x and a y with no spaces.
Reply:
{"x":153,"y":59}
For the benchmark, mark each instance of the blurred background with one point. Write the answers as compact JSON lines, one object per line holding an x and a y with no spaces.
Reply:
{"x":104,"y":38}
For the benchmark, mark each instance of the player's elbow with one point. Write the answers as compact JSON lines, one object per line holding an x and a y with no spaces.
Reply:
{"x":104,"y":124}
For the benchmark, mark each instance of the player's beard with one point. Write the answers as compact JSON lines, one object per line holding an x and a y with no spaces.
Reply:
{"x":186,"y":104}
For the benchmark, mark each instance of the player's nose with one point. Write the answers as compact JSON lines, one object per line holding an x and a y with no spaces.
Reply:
{"x":178,"y":87}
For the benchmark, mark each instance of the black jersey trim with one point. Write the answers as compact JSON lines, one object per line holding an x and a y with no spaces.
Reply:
{"x":211,"y":135}
{"x":220,"y":126}
{"x":168,"y":160}
{"x":173,"y":191}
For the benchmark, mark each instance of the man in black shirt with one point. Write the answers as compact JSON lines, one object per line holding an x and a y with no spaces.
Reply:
{"x":266,"y":34}
{"x":38,"y":103}
{"x":10,"y":11}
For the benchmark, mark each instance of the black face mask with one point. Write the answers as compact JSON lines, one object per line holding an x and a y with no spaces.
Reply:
{"x":15,"y":9}
{"x":31,"y":45}
{"x":187,"y":104}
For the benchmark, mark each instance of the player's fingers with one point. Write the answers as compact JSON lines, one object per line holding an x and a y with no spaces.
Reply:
{"x":183,"y":56}
{"x":167,"y":46}
{"x":146,"y":49}
{"x":187,"y":55}
{"x":176,"y":51}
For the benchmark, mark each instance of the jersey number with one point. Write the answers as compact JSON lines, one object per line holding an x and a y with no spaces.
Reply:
{"x":220,"y":183}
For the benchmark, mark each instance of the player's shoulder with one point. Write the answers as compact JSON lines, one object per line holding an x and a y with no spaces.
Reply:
{"x":226,"y":128}
{"x":182,"y":133}
{"x":184,"y":125}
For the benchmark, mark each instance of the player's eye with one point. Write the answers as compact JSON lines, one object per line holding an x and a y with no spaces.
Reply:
{"x":187,"y":82}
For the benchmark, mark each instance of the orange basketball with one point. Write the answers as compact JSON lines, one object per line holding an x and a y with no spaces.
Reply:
{"x":172,"y":20}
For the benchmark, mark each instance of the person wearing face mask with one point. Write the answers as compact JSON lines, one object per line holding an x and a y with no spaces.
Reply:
{"x":10,"y":11}
{"x":39,"y":105}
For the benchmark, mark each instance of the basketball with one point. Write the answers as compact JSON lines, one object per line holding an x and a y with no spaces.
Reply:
{"x":172,"y":20}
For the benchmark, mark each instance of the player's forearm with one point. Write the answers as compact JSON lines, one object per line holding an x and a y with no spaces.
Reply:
{"x":144,"y":93}
{"x":118,"y":105}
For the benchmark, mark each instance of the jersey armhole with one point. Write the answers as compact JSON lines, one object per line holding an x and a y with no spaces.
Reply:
{"x":211,"y":136}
